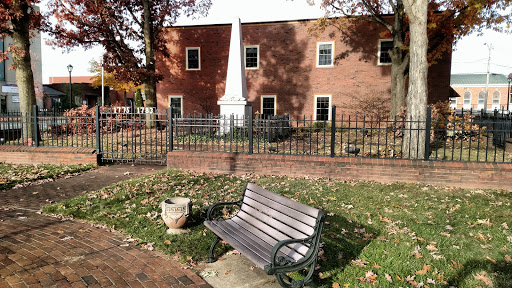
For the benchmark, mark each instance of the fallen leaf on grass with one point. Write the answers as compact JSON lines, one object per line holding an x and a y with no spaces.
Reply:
{"x":423,"y":271}
{"x":445,"y":234}
{"x":508,"y":259}
{"x":167,"y":242}
{"x":384,"y":219}
{"x":390,"y":280}
{"x":321,"y":255}
{"x":431,"y":248}
{"x":369,"y":278}
{"x":482,"y":277}
{"x":335,"y":285}
{"x":359,"y":263}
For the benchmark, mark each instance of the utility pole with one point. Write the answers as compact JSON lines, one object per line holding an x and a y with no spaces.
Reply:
{"x":508,"y":91}
{"x":102,"y":86}
{"x":488,"y":74}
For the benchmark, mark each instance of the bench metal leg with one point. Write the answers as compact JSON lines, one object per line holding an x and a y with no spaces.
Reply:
{"x":212,"y":259}
{"x":286,"y":282}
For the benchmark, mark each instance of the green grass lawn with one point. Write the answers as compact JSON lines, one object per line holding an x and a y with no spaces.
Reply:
{"x":12,"y":175}
{"x":376,"y":235}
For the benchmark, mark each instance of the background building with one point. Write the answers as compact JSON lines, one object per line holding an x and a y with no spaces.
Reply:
{"x":9,"y":98}
{"x":470,"y":91}
{"x":88,"y":95}
{"x":288,"y":70}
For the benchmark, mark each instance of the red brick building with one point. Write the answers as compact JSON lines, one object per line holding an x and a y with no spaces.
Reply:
{"x":288,"y":70}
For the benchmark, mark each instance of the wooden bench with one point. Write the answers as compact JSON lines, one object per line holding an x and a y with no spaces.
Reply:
{"x":277,"y":234}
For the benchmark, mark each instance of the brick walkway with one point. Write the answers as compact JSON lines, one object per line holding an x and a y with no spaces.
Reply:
{"x":42,"y":251}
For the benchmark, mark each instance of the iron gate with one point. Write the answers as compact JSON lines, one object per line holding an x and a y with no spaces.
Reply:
{"x":137,"y":135}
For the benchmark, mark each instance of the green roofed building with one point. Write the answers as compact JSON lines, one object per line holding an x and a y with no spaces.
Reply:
{"x":469,"y":91}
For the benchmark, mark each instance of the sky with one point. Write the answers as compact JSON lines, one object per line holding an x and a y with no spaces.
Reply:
{"x":470,"y":55}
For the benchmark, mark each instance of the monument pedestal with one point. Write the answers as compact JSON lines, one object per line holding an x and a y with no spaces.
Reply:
{"x":233,"y":113}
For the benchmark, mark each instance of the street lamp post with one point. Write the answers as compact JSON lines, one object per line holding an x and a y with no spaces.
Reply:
{"x":70,"y":69}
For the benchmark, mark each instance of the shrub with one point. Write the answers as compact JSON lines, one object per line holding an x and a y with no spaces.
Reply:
{"x":375,"y":104}
{"x":138,"y":98}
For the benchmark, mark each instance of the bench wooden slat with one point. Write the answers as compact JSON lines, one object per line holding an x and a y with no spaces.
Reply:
{"x":265,"y":228}
{"x":296,"y":255}
{"x":313,"y":212}
{"x":255,"y":258}
{"x":261,"y":248}
{"x":292,"y":213}
{"x":283,"y":218}
{"x":291,"y":232}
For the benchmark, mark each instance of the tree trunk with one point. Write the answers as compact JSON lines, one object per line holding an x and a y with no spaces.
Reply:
{"x":398,"y":86}
{"x":22,"y":64}
{"x":414,"y":134}
{"x":399,"y":62}
{"x":150,"y":82}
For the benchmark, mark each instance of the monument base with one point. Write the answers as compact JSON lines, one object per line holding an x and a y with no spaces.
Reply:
{"x":233,"y":114}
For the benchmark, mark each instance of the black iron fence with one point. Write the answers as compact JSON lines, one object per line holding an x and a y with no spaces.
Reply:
{"x":462,"y":136}
{"x":119,"y":134}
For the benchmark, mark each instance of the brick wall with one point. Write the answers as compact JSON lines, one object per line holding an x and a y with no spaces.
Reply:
{"x":47,"y":155}
{"x":457,"y":174}
{"x":287,"y":67}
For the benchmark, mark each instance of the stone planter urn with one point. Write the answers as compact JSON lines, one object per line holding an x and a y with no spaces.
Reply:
{"x":175,"y":212}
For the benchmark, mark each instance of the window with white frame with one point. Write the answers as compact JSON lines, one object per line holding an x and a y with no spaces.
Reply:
{"x":481,"y":100}
{"x":325,"y":54}
{"x":467,"y":100}
{"x":268,"y":106}
{"x":453,"y":102}
{"x":176,"y":104}
{"x":496,"y":96}
{"x":193,"y":58}
{"x":383,"y":54}
{"x":322,"y":104}
{"x":252,"y":57}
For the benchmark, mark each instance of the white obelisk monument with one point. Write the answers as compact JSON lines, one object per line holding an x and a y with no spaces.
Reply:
{"x":234,"y":102}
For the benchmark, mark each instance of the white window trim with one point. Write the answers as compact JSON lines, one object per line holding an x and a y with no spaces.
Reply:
{"x":258,"y":57}
{"x":275,"y":103}
{"x":499,"y":100}
{"x":464,"y":105}
{"x":181,"y":101}
{"x":199,"y":56}
{"x":378,"y":53}
{"x":478,"y":105}
{"x":318,"y":54}
{"x":329,"y":108}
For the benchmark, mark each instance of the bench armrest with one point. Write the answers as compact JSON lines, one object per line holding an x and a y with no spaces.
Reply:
{"x":280,"y":264}
{"x":218,"y":204}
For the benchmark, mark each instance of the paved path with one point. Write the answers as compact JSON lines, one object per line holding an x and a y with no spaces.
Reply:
{"x":43,"y":251}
